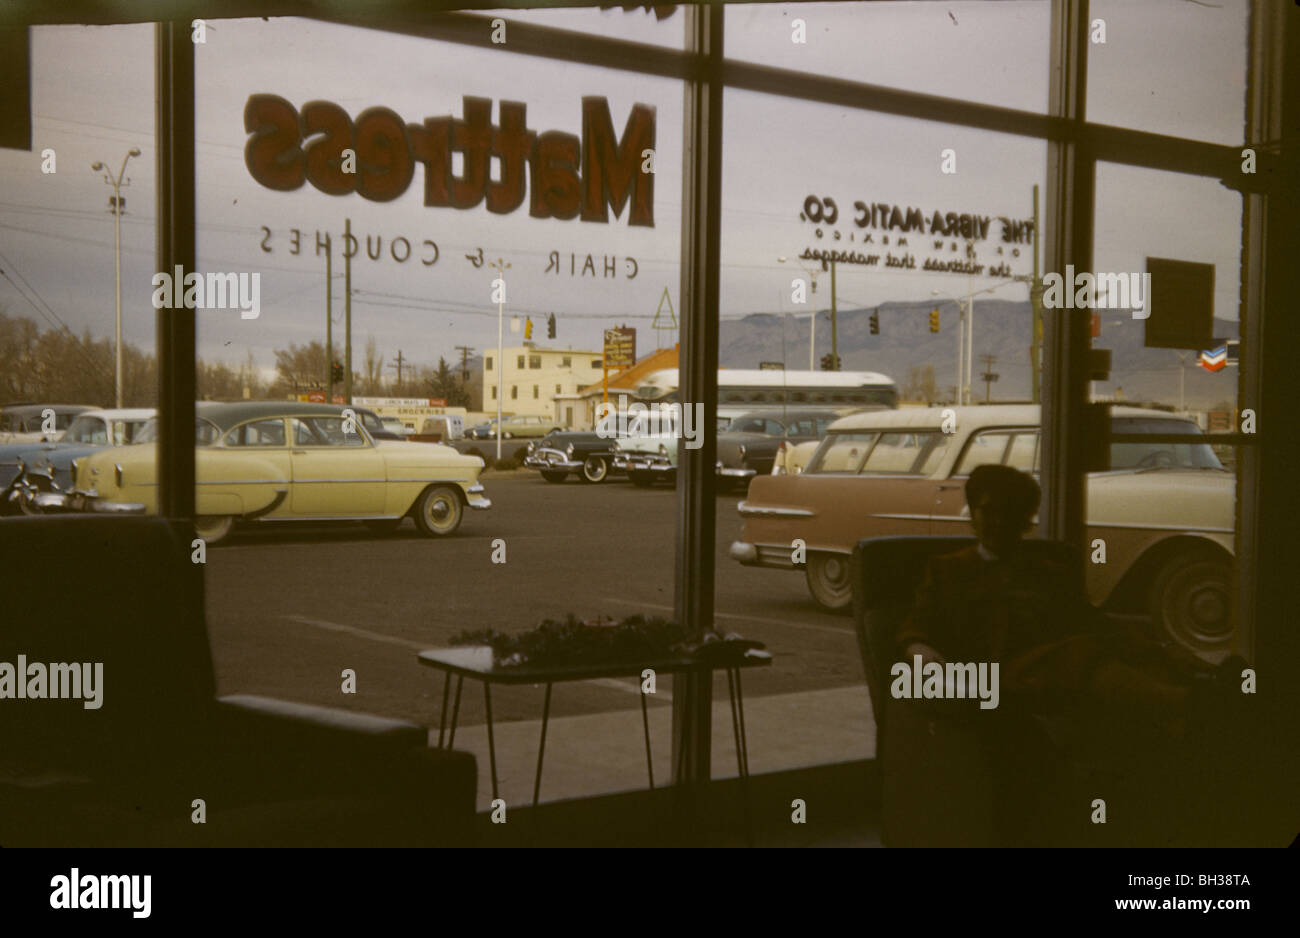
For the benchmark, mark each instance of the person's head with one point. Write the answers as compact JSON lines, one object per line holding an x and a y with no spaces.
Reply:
{"x":1002,"y":504}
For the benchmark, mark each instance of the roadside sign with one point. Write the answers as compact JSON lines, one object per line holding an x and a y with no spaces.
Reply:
{"x":620,"y":347}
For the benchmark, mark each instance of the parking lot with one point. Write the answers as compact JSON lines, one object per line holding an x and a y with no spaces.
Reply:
{"x":291,"y":606}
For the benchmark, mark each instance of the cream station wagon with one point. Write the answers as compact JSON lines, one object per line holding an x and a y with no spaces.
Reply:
{"x":286,"y":461}
{"x":1164,"y":510}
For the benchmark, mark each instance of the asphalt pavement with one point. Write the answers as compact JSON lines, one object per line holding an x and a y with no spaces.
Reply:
{"x":290,"y":605}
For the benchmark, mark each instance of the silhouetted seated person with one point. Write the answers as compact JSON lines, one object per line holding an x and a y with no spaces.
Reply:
{"x":1068,"y":680}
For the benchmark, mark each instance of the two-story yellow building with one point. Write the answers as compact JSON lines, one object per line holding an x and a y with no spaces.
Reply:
{"x":533,"y":377}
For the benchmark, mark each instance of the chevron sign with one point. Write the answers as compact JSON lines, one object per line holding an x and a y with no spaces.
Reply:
{"x":1214,"y":359}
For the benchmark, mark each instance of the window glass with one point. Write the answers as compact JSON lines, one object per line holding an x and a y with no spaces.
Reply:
{"x":938,"y":449}
{"x":1023,"y":454}
{"x":325,"y":431}
{"x":89,"y":430}
{"x":1170,"y":67}
{"x":986,"y":448}
{"x":925,"y":47}
{"x":429,"y":232}
{"x":841,"y":452}
{"x":899,"y":453}
{"x":257,"y":433}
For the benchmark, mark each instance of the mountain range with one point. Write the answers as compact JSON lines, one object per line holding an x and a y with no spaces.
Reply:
{"x":905,"y":345}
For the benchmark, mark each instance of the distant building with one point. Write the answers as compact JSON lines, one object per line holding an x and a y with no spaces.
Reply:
{"x":578,"y":411}
{"x":533,"y":378}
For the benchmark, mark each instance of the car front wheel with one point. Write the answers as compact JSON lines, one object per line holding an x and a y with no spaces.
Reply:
{"x":439,"y":511}
{"x":595,"y":469}
{"x":829,"y":583}
{"x":213,"y":528}
{"x":1191,"y":600}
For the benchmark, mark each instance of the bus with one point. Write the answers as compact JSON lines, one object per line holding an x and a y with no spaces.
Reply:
{"x":741,"y":389}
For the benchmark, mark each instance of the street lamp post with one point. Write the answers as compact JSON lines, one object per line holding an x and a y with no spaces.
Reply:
{"x":961,"y":341}
{"x":501,"y":266}
{"x":116,"y":205}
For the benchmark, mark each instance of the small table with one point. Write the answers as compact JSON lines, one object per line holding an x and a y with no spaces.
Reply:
{"x":477,"y":662}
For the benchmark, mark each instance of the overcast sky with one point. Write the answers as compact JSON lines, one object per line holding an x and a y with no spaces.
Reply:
{"x":1169,"y":66}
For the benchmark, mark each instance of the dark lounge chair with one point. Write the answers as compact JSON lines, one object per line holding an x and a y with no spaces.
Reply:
{"x":123,"y":591}
{"x":939,"y":783}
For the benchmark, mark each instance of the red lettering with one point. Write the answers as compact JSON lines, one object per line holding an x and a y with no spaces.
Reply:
{"x":272,"y":154}
{"x":384,"y":164}
{"x":611,"y":169}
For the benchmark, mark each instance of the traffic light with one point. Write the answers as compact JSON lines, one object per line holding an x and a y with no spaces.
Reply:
{"x":336,"y":372}
{"x":550,"y":326}
{"x":875,"y":324}
{"x":934,"y":320}
{"x":830,"y":362}
{"x":528,"y":328}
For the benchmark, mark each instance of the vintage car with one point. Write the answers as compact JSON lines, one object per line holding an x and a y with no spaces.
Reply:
{"x":587,"y":454}
{"x":749,"y":445}
{"x":648,"y":451}
{"x":285,"y":461}
{"x":47,"y":467}
{"x":25,"y":423}
{"x":1164,"y":510}
{"x":648,"y":454}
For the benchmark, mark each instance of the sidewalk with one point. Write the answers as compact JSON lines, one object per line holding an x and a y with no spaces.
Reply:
{"x":603,"y":753}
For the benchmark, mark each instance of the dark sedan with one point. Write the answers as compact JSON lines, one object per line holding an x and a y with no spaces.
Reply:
{"x":749,"y":445}
{"x":562,"y":452}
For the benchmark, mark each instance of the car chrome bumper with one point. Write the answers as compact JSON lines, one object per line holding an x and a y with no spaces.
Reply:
{"x":54,"y":502}
{"x":744,"y":552}
{"x":732,"y":472}
{"x":475,"y":499}
{"x":656,"y":464}
{"x":551,"y":459}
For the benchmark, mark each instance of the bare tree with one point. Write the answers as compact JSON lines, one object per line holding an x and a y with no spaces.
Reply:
{"x":373,"y":382}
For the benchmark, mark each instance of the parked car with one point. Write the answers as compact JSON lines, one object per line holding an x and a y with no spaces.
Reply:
{"x":47,"y":467}
{"x":21,"y":423}
{"x":648,"y":453}
{"x":561,"y":452}
{"x":395,"y":426}
{"x":749,"y":445}
{"x":440,"y":428}
{"x":286,"y":461}
{"x":1164,"y":511}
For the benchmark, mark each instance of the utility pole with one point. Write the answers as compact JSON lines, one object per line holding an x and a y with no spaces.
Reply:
{"x":347,"y":310}
{"x":465,"y":352}
{"x":116,"y":206}
{"x":329,"y":321}
{"x":989,"y":374}
{"x":398,"y":366}
{"x":835,"y":347}
{"x":500,"y":266}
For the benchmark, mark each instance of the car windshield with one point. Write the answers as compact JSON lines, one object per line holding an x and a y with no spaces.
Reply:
{"x":90,"y":430}
{"x":1160,"y":455}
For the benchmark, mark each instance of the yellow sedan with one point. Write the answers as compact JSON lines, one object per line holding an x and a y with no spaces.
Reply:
{"x":284,"y":461}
